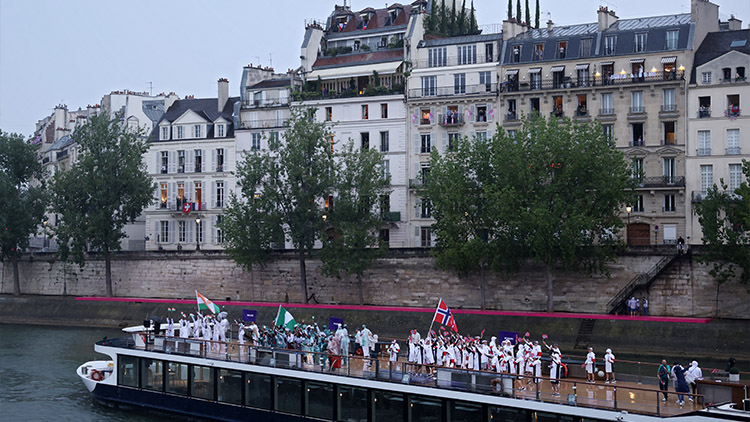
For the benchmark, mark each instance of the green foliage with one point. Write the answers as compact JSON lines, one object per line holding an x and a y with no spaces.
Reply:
{"x":352,"y":234}
{"x":333,"y":52}
{"x":536,"y":15}
{"x":473,"y":27}
{"x":23,"y":196}
{"x":528,"y":13}
{"x":395,"y":42}
{"x":107,"y":188}
{"x":519,"y":16}
{"x":461,"y":22}
{"x":452,"y":27}
{"x":444,"y":23}
{"x":510,"y":9}
{"x":551,"y":193}
{"x":365,"y":47}
{"x":725,"y":221}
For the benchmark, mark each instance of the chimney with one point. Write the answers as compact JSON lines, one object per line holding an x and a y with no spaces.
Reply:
{"x":511,"y":29}
{"x":550,"y":25}
{"x":61,"y":121}
{"x":734,"y":24}
{"x":223,"y":93}
{"x":606,"y":18}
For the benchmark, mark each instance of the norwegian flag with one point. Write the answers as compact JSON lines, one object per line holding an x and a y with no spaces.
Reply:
{"x":443,"y":316}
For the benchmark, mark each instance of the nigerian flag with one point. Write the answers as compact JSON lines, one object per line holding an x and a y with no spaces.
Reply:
{"x":285,"y":319}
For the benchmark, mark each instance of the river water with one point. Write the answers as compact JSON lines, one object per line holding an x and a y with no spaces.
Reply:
{"x":38,"y":380}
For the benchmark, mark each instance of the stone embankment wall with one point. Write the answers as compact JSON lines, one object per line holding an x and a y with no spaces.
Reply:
{"x":406,"y":278}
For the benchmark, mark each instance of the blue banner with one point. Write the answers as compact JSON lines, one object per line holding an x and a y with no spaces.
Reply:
{"x":507,"y":335}
{"x":333,"y":323}
{"x":249,"y":315}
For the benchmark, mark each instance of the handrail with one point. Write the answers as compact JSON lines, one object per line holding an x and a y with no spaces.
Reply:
{"x":637,"y":282}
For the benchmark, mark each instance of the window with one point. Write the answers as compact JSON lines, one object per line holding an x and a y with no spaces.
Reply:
{"x":152,"y":373}
{"x":582,"y":109}
{"x":198,"y":192}
{"x":668,"y":129}
{"x":637,"y":169}
{"x":288,"y":395}
{"x":385,"y":236}
{"x":672,"y":39}
{"x":182,"y":231}
{"x":425,"y":408}
{"x":459,"y":83}
{"x":485,"y":78}
{"x":180,"y":195}
{"x":557,"y":105}
{"x":585,"y":47}
{"x":165,"y":133}
{"x":181,"y":161}
{"x":425,"y":116}
{"x":582,"y":73}
{"x":636,"y":130}
{"x":453,"y":139}
{"x":229,"y":386}
{"x":384,"y":142}
{"x":331,"y":142}
{"x":735,"y":176}
{"x":258,"y":390}
{"x":636,"y":102}
{"x":220,"y":130}
{"x":127,"y":370}
{"x":704,"y":107}
{"x":425,"y":209}
{"x":607,"y":104}
{"x":320,"y":400}
{"x":640,"y":42}
{"x":163,"y":195}
{"x":516,"y":55}
{"x":364,"y":140}
{"x":481,"y":135}
{"x":610,"y":43}
{"x":512,"y":111}
{"x":199,"y":232}
{"x":180,"y":132}
{"x":164,"y":161}
{"x":535,"y":78}
{"x":733,"y":141}
{"x":669,"y":203}
{"x":389,"y":406}
{"x":706,"y":77}
{"x":668,"y":100}
{"x":163,"y":232}
{"x":219,"y":231}
{"x":354,"y":403}
{"x":425,"y":143}
{"x":482,"y":113}
{"x":385,"y":204}
{"x":704,"y":142}
{"x":707,"y":177}
{"x":219,"y":194}
{"x":384,"y":111}
{"x":365,"y":112}
{"x":467,"y":54}
{"x":386,"y":168}
{"x":562,"y":49}
{"x":198,"y":154}
{"x":733,"y":105}
{"x":488,"y":52}
{"x":608,"y":130}
{"x":669,"y":170}
{"x":255,"y":142}
{"x":429,"y":84}
{"x":196,"y":131}
{"x":202,"y":382}
{"x":220,"y":159}
{"x":425,"y":237}
{"x":534,"y":105}
{"x":538,"y":52}
{"x":436,"y":57}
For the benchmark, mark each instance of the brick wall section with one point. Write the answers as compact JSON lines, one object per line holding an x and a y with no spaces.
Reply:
{"x":407,"y":278}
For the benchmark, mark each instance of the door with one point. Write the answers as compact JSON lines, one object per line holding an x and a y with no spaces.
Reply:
{"x":639,"y":234}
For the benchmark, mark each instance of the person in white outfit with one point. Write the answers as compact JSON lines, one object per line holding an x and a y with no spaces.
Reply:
{"x":393,"y":350}
{"x":609,"y":366}
{"x":590,"y":365}
{"x":693,"y":374}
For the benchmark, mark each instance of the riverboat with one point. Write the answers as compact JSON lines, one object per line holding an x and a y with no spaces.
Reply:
{"x":229,"y":381}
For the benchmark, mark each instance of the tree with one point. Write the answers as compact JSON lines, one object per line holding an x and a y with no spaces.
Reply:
{"x":552,"y":193}
{"x":24,"y":199}
{"x":725,"y":221}
{"x":536,"y":15}
{"x":431,"y":19}
{"x":352,"y":239}
{"x":519,"y":16}
{"x":105,"y":189}
{"x":283,"y":188}
{"x":473,"y":27}
{"x":443,"y":25}
{"x":528,"y":13}
{"x":452,"y":23}
{"x":510,"y":9}
{"x":461,"y":28}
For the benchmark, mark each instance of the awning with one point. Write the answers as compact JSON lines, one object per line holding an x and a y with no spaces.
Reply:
{"x":557,"y":68}
{"x":582,"y":66}
{"x":608,"y":63}
{"x":354,"y":71}
{"x":535,"y":70}
{"x":667,"y":60}
{"x":637,"y":61}
{"x":511,"y":72}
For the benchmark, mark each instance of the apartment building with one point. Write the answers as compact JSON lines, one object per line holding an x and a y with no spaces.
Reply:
{"x":192,"y":158}
{"x":356,"y":82}
{"x":630,"y":75}
{"x":718,"y":121}
{"x":452,"y":93}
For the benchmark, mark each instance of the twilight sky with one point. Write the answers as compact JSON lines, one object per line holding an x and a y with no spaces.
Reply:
{"x":76,"y":51}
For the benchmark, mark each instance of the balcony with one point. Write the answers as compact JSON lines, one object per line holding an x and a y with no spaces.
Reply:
{"x":704,"y":113}
{"x":730,"y":194}
{"x":607,"y":112}
{"x":415,"y":183}
{"x":732,"y":112}
{"x":556,"y":113}
{"x":275,"y":102}
{"x":637,"y":143}
{"x":662,"y":182}
{"x":573,"y":83}
{"x":450,"y":61}
{"x":734,"y":150}
{"x":350,"y":93}
{"x":392,"y":216}
{"x":669,"y":110}
{"x":637,"y":109}
{"x":445,"y":91}
{"x":511,"y":116}
{"x":582,"y":112}
{"x":451,"y":119}
{"x":264,"y":124}
{"x":703,"y":152}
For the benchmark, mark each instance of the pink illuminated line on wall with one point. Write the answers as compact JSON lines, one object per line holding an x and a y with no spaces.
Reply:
{"x":406,"y":309}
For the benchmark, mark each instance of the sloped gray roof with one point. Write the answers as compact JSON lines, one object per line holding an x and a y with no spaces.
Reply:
{"x":716,"y":44}
{"x":153,"y":109}
{"x":204,"y":107}
{"x":61,"y":143}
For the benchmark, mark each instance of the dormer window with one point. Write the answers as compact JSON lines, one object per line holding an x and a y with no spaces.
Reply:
{"x":672,"y":37}
{"x":219,"y":131}
{"x":562,"y":49}
{"x":516,"y":57}
{"x":180,"y":132}
{"x":341,"y":22}
{"x":538,"y":52}
{"x":165,"y":132}
{"x":197,"y":131}
{"x":356,"y":45}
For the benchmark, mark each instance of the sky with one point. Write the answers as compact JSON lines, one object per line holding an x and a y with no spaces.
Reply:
{"x":75,"y":51}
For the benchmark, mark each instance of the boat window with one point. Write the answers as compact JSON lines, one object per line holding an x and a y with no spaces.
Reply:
{"x":152,"y":374}
{"x":353,"y":404}
{"x":127,"y":371}
{"x":258,"y":390}
{"x":425,"y":409}
{"x":202,"y":382}
{"x":551,"y":417}
{"x":389,"y":406}
{"x":177,"y":378}
{"x":464,"y":411}
{"x":508,"y":414}
{"x":229,"y":386}
{"x":289,"y":395}
{"x":319,"y":400}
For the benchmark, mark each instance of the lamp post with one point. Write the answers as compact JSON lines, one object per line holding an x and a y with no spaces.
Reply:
{"x":197,"y":233}
{"x":628,"y":209}
{"x":44,"y":245}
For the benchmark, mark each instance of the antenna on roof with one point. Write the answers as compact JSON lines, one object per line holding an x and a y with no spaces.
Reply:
{"x":150,"y":89}
{"x":270,"y":59}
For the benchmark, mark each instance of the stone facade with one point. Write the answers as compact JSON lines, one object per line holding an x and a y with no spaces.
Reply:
{"x":407,"y":278}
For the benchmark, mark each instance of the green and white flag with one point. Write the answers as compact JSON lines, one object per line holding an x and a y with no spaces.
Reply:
{"x":285,"y":319}
{"x":204,"y":304}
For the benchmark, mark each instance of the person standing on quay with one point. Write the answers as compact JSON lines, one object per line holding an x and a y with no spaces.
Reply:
{"x":664,"y":372}
{"x":590,"y":365}
{"x":609,"y":363}
{"x":645,"y":306}
{"x":680,"y":384}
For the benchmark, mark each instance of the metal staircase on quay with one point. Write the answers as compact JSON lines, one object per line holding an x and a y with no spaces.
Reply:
{"x":640,"y":282}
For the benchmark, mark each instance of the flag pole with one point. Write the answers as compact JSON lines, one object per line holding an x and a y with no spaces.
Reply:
{"x":275,"y":321}
{"x":433,"y":319}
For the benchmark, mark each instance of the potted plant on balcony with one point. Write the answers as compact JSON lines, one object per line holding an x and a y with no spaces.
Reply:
{"x":734,"y":374}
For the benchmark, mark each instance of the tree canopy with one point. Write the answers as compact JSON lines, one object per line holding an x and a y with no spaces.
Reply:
{"x":105,"y":189}
{"x":551,"y":192}
{"x":22,"y":190}
{"x":445,"y":21}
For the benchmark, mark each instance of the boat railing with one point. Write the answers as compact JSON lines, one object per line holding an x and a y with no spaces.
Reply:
{"x":575,"y":392}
